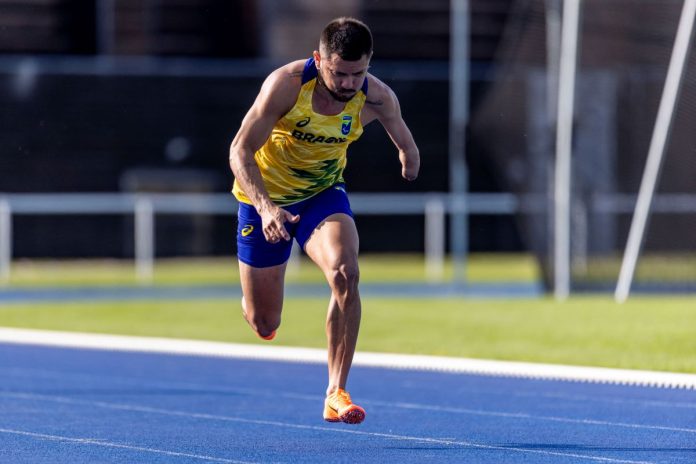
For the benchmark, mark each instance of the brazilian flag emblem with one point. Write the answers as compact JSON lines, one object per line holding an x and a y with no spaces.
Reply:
{"x":345,"y":125}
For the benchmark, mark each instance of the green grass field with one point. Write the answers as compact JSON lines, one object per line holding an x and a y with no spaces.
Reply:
{"x":655,"y":333}
{"x":373,"y":268}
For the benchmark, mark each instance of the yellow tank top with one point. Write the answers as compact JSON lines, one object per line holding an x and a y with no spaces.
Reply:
{"x":306,"y":151}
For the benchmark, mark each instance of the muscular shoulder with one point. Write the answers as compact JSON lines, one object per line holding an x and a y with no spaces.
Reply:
{"x":381,"y":100}
{"x":282,"y":86}
{"x":287,"y":77}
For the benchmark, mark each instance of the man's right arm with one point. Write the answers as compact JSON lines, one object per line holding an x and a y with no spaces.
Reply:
{"x":277,"y":96}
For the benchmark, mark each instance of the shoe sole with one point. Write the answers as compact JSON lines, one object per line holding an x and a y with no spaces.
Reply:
{"x":354,"y":415}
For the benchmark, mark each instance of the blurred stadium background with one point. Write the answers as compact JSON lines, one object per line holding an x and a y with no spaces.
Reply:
{"x":144,"y":97}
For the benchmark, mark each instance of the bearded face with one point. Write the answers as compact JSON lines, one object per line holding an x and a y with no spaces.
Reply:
{"x":341,"y":78}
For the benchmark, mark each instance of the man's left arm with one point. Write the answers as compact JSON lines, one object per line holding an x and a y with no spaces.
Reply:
{"x":389,"y":115}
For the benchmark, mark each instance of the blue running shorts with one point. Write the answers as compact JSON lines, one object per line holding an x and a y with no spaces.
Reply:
{"x":254,"y":250}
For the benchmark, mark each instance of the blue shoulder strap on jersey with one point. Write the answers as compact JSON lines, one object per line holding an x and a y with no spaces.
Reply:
{"x":310,"y":72}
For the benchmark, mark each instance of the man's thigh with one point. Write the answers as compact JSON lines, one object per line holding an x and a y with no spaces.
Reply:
{"x":261,"y":265}
{"x":316,"y":212}
{"x":262,"y":288}
{"x":334,"y":243}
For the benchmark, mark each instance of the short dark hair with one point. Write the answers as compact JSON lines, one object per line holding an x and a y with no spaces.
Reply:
{"x":349,"y":38}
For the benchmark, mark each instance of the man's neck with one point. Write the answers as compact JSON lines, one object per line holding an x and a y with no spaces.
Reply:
{"x":324,"y":103}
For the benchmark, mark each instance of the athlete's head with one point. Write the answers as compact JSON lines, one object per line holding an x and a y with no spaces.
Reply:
{"x":348,"y":38}
{"x":345,"y":49}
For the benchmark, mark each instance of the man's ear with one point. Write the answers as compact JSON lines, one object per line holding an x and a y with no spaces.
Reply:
{"x":317,"y":58}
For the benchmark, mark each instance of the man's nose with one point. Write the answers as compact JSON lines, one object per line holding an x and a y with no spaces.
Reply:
{"x":348,"y":84}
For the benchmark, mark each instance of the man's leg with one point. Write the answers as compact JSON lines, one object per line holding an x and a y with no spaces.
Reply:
{"x":262,"y":302}
{"x":334,"y":248}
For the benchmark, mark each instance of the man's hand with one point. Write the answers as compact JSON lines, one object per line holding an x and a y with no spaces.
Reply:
{"x":273,"y":219}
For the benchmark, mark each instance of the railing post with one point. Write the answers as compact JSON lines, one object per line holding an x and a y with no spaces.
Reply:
{"x":564,"y":147}
{"x":656,"y":151}
{"x":5,"y":241}
{"x":459,"y":81}
{"x":459,"y":235}
{"x":144,"y":240}
{"x":434,"y":239}
{"x":106,"y":24}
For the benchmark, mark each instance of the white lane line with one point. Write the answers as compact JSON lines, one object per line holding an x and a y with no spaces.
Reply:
{"x":171,"y":412}
{"x":33,"y":372}
{"x":108,"y":444}
{"x":388,"y":404}
{"x":510,"y":415}
{"x":515,"y":415}
{"x":311,"y":355}
{"x":585,"y":398}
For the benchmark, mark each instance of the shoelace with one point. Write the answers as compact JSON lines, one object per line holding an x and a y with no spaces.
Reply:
{"x":342,"y":395}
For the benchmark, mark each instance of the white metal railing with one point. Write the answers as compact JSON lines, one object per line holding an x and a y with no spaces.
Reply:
{"x":144,"y":208}
{"x":434,"y":207}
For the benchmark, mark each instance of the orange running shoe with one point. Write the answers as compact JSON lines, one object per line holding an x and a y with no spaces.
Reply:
{"x":268,"y":337}
{"x":339,"y":408}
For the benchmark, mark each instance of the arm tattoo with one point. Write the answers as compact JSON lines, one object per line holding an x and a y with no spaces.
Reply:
{"x":374,"y":102}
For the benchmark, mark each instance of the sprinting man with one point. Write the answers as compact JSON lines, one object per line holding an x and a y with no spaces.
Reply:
{"x":288,"y":158}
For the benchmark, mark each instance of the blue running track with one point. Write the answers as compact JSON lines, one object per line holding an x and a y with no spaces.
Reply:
{"x":68,"y":406}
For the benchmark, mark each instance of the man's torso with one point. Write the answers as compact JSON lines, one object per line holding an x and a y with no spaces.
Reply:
{"x":306,"y":151}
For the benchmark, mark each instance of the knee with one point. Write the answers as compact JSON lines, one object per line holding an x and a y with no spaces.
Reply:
{"x":265,"y":324}
{"x":344,"y":278}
